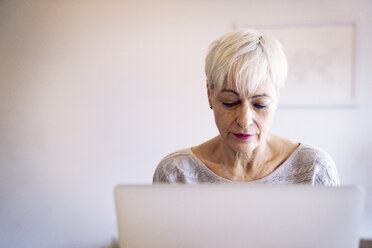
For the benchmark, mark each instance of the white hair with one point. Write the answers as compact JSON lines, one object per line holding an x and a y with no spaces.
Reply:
{"x":245,"y":59}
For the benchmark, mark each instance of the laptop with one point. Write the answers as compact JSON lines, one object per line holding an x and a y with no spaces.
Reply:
{"x":238,"y":215}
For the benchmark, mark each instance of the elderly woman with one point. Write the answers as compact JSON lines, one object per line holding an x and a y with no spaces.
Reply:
{"x":245,"y":73}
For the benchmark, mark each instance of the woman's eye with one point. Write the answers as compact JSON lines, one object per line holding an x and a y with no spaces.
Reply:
{"x":229,"y":104}
{"x":260,"y":106}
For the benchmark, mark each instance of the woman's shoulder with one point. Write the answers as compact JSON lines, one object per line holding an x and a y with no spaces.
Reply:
{"x":307,"y":153}
{"x":176,"y":167}
{"x":180,"y":154}
{"x":318,"y":161}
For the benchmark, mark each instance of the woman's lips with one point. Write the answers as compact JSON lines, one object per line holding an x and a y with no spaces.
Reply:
{"x":243,"y":136}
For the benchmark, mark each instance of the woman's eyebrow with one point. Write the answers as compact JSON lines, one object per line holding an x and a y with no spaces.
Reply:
{"x":230,"y":91}
{"x":262,"y":95}
{"x":237,"y":94}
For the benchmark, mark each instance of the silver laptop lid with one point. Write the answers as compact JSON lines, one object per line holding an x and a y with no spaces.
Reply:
{"x":264,"y":216}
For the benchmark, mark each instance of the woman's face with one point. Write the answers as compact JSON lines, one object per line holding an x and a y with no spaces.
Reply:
{"x":244,"y":119}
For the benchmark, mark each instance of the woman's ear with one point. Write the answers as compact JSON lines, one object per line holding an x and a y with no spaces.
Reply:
{"x":209,"y":95}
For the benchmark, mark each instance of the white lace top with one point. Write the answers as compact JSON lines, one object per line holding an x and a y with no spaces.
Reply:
{"x":307,"y":165}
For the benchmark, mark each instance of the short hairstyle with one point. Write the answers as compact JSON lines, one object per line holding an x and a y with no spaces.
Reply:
{"x":245,"y":59}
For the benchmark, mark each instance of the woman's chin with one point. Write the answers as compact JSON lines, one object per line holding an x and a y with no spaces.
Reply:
{"x":240,"y":146}
{"x":247,"y":148}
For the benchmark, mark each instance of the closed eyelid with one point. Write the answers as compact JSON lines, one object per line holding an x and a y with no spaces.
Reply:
{"x":260,"y":106}
{"x":230,"y":104}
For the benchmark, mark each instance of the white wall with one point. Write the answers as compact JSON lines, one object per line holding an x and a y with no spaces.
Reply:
{"x":95,"y":93}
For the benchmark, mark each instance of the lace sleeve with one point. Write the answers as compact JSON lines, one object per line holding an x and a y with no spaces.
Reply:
{"x":325,"y":170}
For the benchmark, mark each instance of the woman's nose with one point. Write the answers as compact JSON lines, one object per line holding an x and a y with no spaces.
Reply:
{"x":245,"y":116}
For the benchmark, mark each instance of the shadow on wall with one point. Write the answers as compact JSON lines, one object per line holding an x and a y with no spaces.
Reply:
{"x":114,"y":244}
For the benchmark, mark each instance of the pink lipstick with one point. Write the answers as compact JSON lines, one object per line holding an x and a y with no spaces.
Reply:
{"x":243,"y":136}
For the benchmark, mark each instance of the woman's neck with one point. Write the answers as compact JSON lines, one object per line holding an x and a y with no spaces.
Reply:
{"x":235,"y":166}
{"x":245,"y":166}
